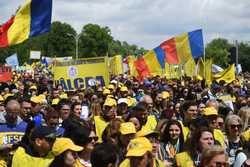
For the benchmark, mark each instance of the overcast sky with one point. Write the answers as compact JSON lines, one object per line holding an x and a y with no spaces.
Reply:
{"x":147,"y":23}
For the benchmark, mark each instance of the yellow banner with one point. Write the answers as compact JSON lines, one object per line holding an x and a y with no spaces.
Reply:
{"x":78,"y":74}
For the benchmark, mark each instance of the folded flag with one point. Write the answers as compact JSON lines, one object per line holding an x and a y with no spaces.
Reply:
{"x":32,"y":19}
{"x":181,"y":48}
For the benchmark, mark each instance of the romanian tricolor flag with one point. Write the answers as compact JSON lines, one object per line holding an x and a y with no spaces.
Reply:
{"x":180,"y":49}
{"x":151,"y":64}
{"x":32,"y":19}
{"x":177,"y":50}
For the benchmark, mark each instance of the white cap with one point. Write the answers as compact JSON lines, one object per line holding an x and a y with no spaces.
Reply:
{"x":122,"y":100}
{"x":114,"y":81}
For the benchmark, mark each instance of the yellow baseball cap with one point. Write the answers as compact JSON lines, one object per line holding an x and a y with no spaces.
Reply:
{"x":111,"y":86}
{"x":124,"y":89}
{"x":62,"y":144}
{"x":110,"y":102}
{"x":138,"y":147}
{"x":199,"y":78}
{"x":106,"y":91}
{"x":1,"y":98}
{"x":145,"y":132}
{"x":7,"y":95}
{"x":35,"y":99}
{"x":165,"y":94}
{"x":55,"y":101}
{"x":127,"y":128}
{"x":63,"y":96}
{"x":210,"y":111}
{"x":33,"y":87}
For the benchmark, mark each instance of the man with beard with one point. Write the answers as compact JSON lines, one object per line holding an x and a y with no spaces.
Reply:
{"x":147,"y":122}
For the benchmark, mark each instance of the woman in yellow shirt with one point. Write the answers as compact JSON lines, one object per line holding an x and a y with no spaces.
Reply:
{"x":201,"y":139}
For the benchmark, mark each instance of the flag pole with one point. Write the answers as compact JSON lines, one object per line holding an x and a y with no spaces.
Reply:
{"x":204,"y":57}
{"x":170,"y":70}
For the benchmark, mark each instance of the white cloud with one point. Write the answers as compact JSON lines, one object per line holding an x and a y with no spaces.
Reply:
{"x":147,"y":23}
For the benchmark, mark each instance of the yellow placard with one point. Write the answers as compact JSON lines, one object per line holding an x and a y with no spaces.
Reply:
{"x":79,"y":74}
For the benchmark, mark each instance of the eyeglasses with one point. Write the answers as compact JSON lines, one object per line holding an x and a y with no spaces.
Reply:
{"x":234,"y":126}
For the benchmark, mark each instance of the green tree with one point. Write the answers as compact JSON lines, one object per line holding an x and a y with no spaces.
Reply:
{"x":217,"y":49}
{"x":94,"y":41}
{"x":244,"y":54}
{"x":60,"y":40}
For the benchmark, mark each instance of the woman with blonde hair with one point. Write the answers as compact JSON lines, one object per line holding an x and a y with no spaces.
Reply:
{"x":213,"y":157}
{"x":233,"y":126}
{"x":244,"y":114}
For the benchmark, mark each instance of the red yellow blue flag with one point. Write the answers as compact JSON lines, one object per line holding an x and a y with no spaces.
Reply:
{"x":32,"y":19}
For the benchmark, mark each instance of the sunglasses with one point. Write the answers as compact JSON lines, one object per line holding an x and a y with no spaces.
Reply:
{"x":234,"y":126}
{"x":220,"y":123}
{"x":95,"y":138}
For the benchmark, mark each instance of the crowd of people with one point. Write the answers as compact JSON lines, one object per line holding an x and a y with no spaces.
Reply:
{"x":156,"y":122}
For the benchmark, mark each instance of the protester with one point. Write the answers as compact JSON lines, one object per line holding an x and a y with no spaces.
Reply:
{"x":213,"y":157}
{"x":139,"y":154}
{"x":153,"y":121}
{"x":233,"y":126}
{"x":104,"y":155}
{"x":66,"y":153}
{"x":172,"y":141}
{"x":38,"y":151}
{"x":201,"y":139}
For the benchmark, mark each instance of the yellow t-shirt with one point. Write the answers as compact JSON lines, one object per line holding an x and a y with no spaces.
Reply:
{"x":245,"y":135}
{"x":185,"y":131}
{"x":126,"y":163}
{"x":184,"y":160}
{"x":22,"y":159}
{"x":100,"y":125}
{"x":150,"y":124}
{"x":219,"y":136}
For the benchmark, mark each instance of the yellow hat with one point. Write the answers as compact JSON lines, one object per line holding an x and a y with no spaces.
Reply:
{"x":131,"y":101}
{"x":1,"y":98}
{"x":55,"y":101}
{"x":35,"y":99}
{"x":120,"y":85}
{"x":145,"y":132}
{"x":210,"y":111}
{"x":199,"y":78}
{"x":63,"y":96}
{"x":111,"y":86}
{"x":110,"y":102}
{"x":33,"y":87}
{"x":124,"y":89}
{"x":42,"y":98}
{"x":7,"y":95}
{"x":165,"y":94}
{"x":127,"y":128}
{"x":138,"y":147}
{"x":62,"y":144}
{"x":106,"y":91}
